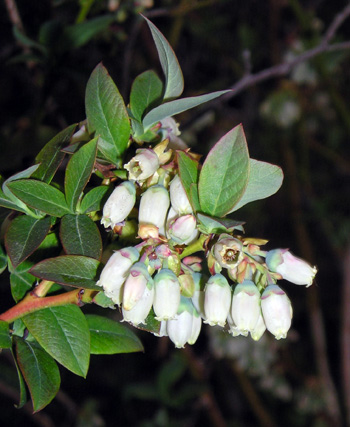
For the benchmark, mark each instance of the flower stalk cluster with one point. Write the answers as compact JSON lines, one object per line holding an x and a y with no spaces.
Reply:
{"x":234,"y":285}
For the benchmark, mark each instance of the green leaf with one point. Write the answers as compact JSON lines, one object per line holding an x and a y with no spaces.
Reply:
{"x":8,"y":204}
{"x":146,"y":90}
{"x":174,"y":82}
{"x":72,"y":270}
{"x":51,"y":156}
{"x":107,"y":115}
{"x":24,"y":236}
{"x":78,"y":172}
{"x":26,"y":41}
{"x":210,"y":225}
{"x":5,"y":340}
{"x":93,"y":199}
{"x":224,"y":175}
{"x":194,"y":197}
{"x":21,"y":280}
{"x":64,"y":333}
{"x":110,"y":337}
{"x":7,"y":194}
{"x":172,"y":108}
{"x":189,"y":174}
{"x":22,"y":385}
{"x":265,"y":179}
{"x":80,"y":236}
{"x":78,"y":35}
{"x":3,"y":260}
{"x":41,"y":196}
{"x":39,"y":371}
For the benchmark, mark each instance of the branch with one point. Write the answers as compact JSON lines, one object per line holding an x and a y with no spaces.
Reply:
{"x":32,"y":302}
{"x":284,"y":68}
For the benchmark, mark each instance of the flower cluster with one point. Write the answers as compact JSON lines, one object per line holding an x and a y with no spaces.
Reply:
{"x":162,"y":278}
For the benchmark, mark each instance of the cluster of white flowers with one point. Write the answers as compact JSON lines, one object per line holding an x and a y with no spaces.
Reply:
{"x":159,"y":278}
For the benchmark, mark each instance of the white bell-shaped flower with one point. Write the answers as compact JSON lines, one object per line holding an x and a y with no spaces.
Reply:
{"x":277,"y":311}
{"x":119,"y":204}
{"x":143,"y":165}
{"x":141,"y":309}
{"x":154,"y":206}
{"x":135,"y":285}
{"x":217,"y":300}
{"x":166,"y":294}
{"x":245,"y":307}
{"x":115,"y":271}
{"x":178,"y":197}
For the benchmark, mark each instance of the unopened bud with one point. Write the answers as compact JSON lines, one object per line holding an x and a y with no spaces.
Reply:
{"x":141,"y":309}
{"x":183,"y":229}
{"x":135,"y":285}
{"x":291,"y":268}
{"x":178,"y":197}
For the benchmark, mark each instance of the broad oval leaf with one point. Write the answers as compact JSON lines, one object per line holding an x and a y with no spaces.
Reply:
{"x":51,"y":156}
{"x":92,"y":200}
{"x":64,"y":333}
{"x":41,"y":196}
{"x":78,"y":172}
{"x":39,"y":371}
{"x":110,"y":337}
{"x":146,"y":89}
{"x":22,"y":385}
{"x":107,"y":115}
{"x":72,"y":270}
{"x":174,"y":81}
{"x":265,"y":179}
{"x":80,"y":236}
{"x":172,"y":108}
{"x":24,"y":235}
{"x":224,"y":175}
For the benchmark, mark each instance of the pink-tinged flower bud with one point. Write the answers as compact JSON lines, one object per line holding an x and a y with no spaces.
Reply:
{"x":259,"y":329}
{"x":291,"y":268}
{"x":154,"y":206}
{"x":135,"y":285}
{"x":277,"y":311}
{"x":115,"y":271}
{"x":178,"y":197}
{"x":227,"y":252}
{"x":143,"y":165}
{"x":119,"y":204}
{"x":182,"y":229}
{"x":185,"y":326}
{"x":217,"y":300}
{"x":245,"y":307}
{"x":166,"y":294}
{"x":141,"y":309}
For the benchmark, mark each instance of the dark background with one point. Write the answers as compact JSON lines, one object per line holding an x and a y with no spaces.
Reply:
{"x":300,"y":121}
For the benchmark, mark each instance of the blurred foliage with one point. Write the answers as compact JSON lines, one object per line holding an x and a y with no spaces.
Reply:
{"x":301,"y":122}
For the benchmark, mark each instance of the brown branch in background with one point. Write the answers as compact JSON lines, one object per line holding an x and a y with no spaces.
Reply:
{"x":329,"y":392}
{"x":345,"y":344}
{"x":284,"y":68}
{"x":262,"y":416}
{"x":207,"y":398}
{"x":14,"y":15}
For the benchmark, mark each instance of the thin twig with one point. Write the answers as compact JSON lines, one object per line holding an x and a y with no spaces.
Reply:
{"x":14,"y":15}
{"x":284,"y":68}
